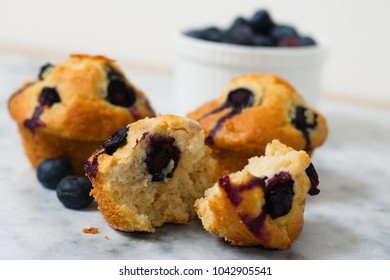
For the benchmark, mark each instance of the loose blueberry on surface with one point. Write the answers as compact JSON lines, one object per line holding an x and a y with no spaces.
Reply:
{"x":278,"y":195}
{"x":51,"y":171}
{"x":43,"y":69}
{"x":73,"y":192}
{"x":261,"y":22}
{"x":307,"y":41}
{"x":161,"y":151}
{"x":49,"y":96}
{"x":115,"y":141}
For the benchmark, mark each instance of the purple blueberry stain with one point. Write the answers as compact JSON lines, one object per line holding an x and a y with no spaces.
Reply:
{"x":49,"y":96}
{"x":278,"y":195}
{"x":34,"y":122}
{"x":141,"y":139}
{"x":234,"y":192}
{"x":255,"y":225}
{"x":237,"y":100}
{"x":160,"y":153}
{"x":135,"y":112}
{"x":113,"y":143}
{"x":313,"y":177}
{"x":300,"y":122}
{"x":91,"y":166}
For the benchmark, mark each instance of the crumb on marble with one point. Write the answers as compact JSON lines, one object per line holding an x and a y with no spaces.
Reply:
{"x":91,"y":230}
{"x":106,"y":237}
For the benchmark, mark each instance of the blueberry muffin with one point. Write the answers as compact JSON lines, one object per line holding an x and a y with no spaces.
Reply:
{"x":252,"y":111}
{"x":151,"y":172}
{"x":72,"y":107}
{"x":263,"y":204}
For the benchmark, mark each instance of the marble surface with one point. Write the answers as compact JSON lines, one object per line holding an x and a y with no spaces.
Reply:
{"x":350,"y":219}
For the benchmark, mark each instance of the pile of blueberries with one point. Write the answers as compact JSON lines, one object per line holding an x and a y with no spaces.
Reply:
{"x":57,"y":174}
{"x":260,"y":30}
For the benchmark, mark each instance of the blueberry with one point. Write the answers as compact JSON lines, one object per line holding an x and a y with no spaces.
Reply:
{"x":212,"y":34}
{"x":289,"y":42}
{"x":278,"y":195}
{"x":49,"y":96}
{"x":198,"y":34}
{"x":238,"y":22}
{"x":118,"y":91}
{"x":240,"y":98}
{"x":237,"y":100}
{"x":115,"y":141}
{"x":313,"y":177}
{"x":261,"y":22}
{"x":160,"y":153}
{"x":301,"y":123}
{"x":264,"y":41}
{"x":260,"y":30}
{"x":280,"y":32}
{"x":120,"y":94}
{"x":307,"y":41}
{"x":43,"y":69}
{"x":73,"y":192}
{"x":240,"y":33}
{"x":51,"y":171}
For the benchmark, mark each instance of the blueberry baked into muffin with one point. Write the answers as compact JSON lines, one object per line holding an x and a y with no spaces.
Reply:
{"x":151,"y":172}
{"x":263,"y":204}
{"x":72,"y":107}
{"x":254,"y":110}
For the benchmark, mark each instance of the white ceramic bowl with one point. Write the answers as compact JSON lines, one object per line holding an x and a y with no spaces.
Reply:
{"x":203,"y":69}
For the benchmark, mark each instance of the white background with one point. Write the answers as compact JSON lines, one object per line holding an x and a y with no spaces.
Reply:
{"x":140,"y":33}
